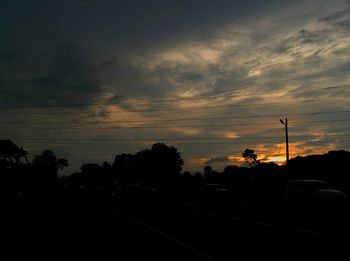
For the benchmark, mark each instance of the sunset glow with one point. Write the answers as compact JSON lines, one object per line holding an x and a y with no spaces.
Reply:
{"x":210,"y":85}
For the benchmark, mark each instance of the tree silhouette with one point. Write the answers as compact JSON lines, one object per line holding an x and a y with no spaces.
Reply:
{"x":169,"y":159}
{"x":123,"y":168}
{"x":230,"y":169}
{"x":207,"y":169}
{"x":92,"y":173}
{"x":211,"y":175}
{"x":158,"y":166}
{"x":48,"y":163}
{"x":250,"y":157}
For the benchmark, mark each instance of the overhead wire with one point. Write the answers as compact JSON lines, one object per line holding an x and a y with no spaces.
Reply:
{"x":189,"y":126}
{"x":180,"y":119}
{"x":189,"y":139}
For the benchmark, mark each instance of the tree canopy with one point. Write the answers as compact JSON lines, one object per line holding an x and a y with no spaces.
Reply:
{"x":49,"y":163}
{"x":250,"y":157}
{"x":158,"y":165}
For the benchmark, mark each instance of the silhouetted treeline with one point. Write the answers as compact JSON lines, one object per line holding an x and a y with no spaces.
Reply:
{"x":265,"y":180}
{"x":159,"y":169}
{"x":38,"y":179}
{"x":332,"y":167}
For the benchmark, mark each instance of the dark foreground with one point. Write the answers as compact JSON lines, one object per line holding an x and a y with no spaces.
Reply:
{"x":78,"y":229}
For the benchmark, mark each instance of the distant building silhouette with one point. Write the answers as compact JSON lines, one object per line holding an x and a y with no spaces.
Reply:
{"x":11,"y":153}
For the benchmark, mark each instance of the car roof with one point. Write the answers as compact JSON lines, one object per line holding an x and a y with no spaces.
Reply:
{"x":307,"y":181}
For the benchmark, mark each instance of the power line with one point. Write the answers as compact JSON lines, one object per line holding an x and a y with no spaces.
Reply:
{"x":177,"y":143}
{"x":180,"y":119}
{"x":166,"y":109}
{"x":194,"y":126}
{"x":185,"y":139}
{"x":114,"y":143}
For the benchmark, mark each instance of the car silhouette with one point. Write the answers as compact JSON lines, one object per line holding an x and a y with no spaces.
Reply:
{"x":313,"y":194}
{"x":214,"y":192}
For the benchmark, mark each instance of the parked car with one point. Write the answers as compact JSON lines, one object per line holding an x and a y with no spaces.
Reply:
{"x":214,"y":192}
{"x":313,"y":194}
{"x":134,"y":194}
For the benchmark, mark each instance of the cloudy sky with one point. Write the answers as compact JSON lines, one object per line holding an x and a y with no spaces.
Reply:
{"x":92,"y":79}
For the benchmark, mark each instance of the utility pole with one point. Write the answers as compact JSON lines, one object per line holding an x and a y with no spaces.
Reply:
{"x":285,"y":123}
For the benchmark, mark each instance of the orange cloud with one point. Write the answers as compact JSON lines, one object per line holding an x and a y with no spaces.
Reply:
{"x":120,"y":117}
{"x":186,"y":130}
{"x":227,"y":134}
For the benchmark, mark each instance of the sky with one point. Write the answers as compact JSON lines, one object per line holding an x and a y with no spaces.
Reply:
{"x":93,"y":79}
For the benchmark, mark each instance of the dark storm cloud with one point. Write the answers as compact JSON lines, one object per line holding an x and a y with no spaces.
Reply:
{"x":336,"y":16}
{"x":61,"y":74}
{"x":191,"y":76}
{"x":307,"y":37}
{"x":105,"y":29}
{"x":303,"y":37}
{"x":340,"y":19}
{"x":126,"y":24}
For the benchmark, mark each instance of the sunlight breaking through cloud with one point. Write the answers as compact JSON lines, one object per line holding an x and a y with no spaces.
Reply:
{"x":226,"y":79}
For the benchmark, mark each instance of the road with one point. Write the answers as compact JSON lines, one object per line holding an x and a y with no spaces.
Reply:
{"x":81,"y":230}
{"x":226,"y":236}
{"x":86,"y":230}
